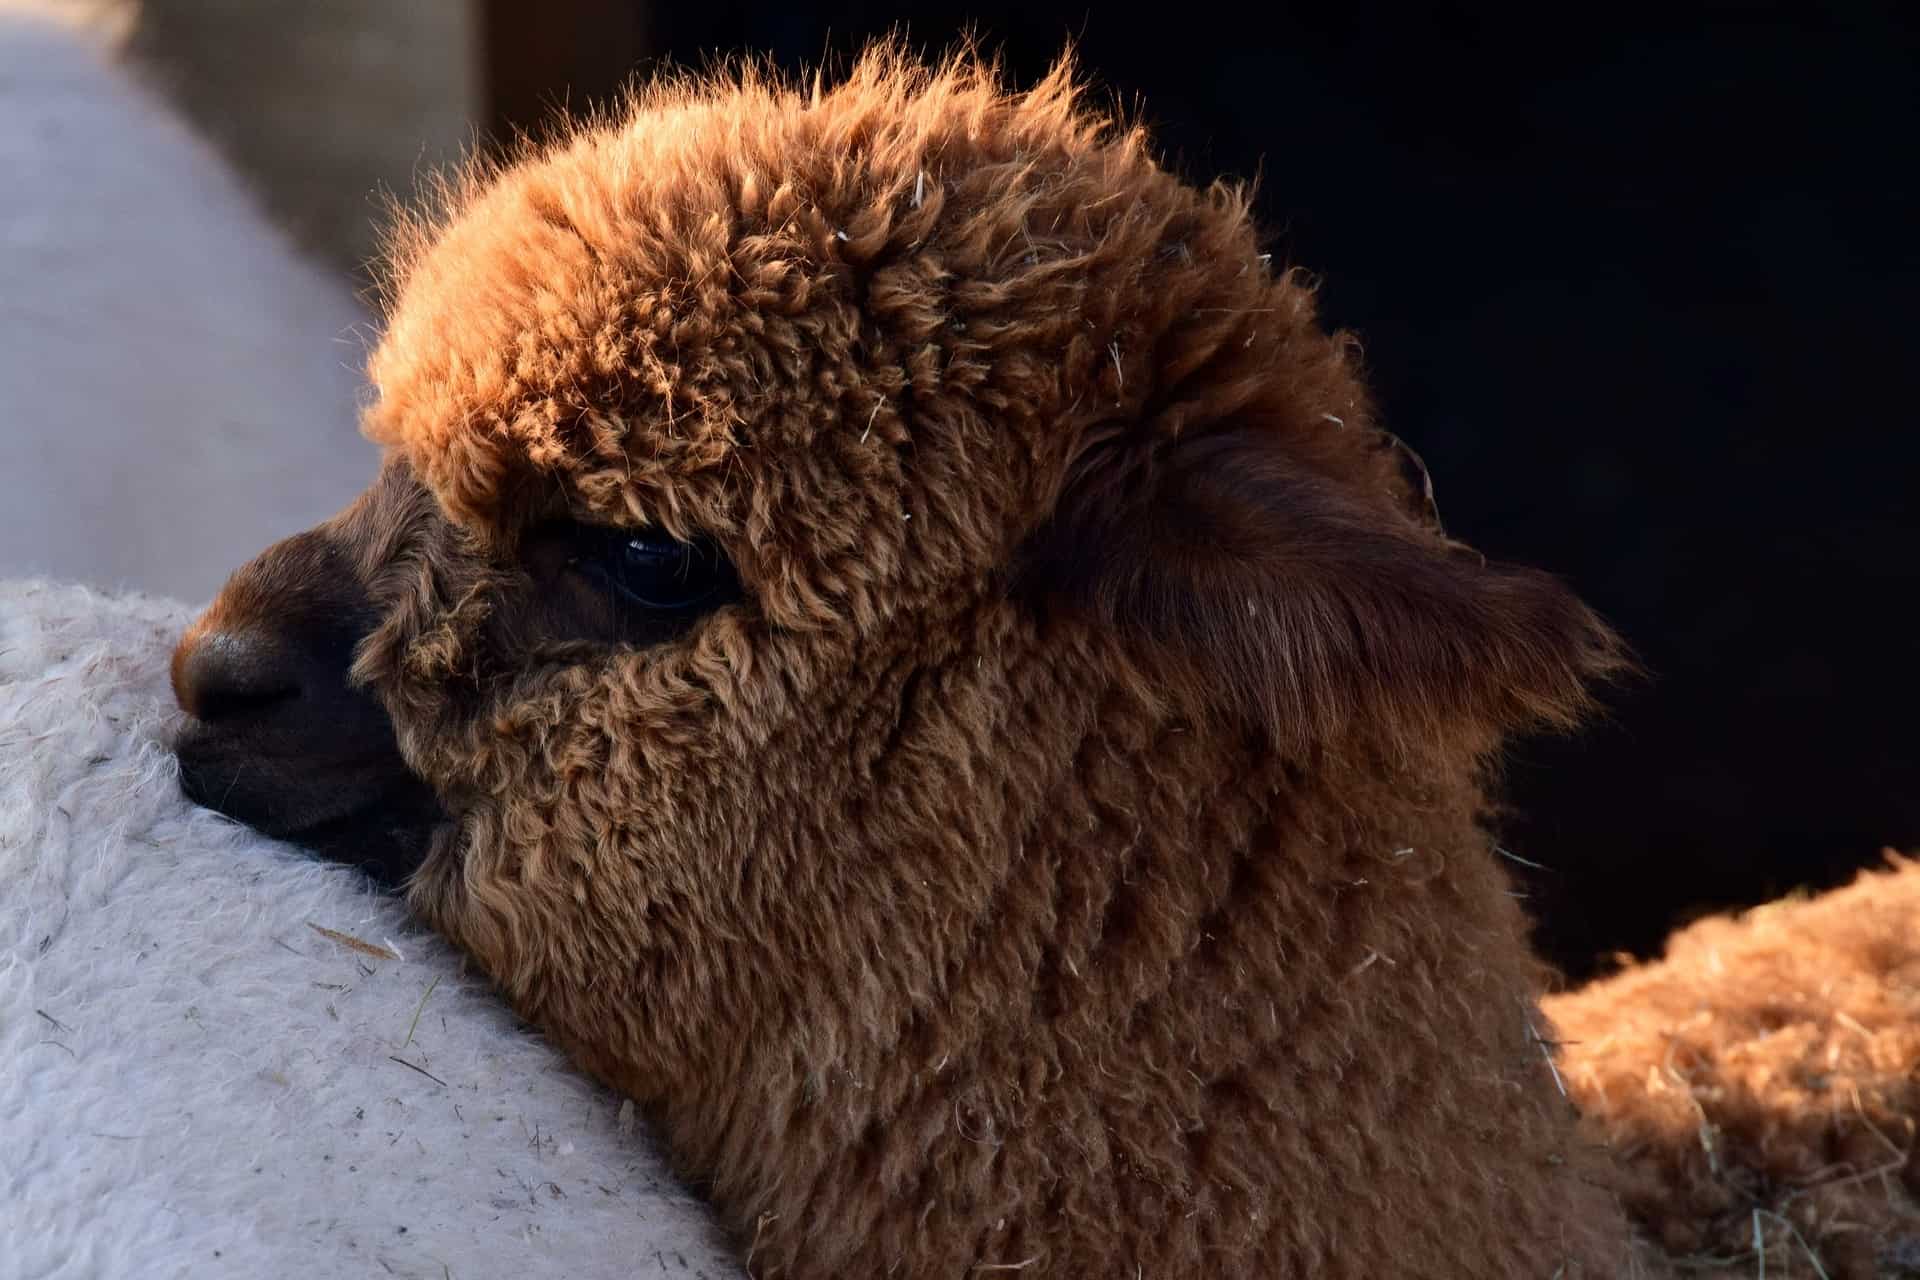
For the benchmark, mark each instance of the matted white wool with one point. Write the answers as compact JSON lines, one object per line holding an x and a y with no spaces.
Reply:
{"x":194,"y":1080}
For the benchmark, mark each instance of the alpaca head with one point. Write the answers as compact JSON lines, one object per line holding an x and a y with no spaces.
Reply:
{"x":796,"y":507}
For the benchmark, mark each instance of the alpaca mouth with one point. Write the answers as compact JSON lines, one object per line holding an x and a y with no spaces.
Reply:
{"x":385,"y":841}
{"x":373,"y":815}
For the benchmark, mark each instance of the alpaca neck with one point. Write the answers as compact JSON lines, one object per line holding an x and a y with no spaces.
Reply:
{"x":1157,"y":992}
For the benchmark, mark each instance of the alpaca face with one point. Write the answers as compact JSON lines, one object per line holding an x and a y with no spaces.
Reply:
{"x":278,"y":736}
{"x":284,"y":738}
{"x":804,"y":523}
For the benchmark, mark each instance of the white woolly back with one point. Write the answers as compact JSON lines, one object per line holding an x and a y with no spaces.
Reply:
{"x":178,"y":387}
{"x":196,"y":1080}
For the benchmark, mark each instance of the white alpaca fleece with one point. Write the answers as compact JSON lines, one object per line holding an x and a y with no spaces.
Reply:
{"x":220,"y":1058}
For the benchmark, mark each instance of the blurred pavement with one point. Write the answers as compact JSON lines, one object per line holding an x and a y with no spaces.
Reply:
{"x":179,"y":386}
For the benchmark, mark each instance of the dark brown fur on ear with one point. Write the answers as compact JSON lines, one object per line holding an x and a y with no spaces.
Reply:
{"x":1258,"y":586}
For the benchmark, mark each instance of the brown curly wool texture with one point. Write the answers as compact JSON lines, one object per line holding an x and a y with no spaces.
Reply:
{"x":1762,"y":1081}
{"x":1067,"y":860}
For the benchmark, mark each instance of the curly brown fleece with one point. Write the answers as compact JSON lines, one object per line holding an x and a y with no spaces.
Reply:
{"x":1762,"y":1083}
{"x":1067,"y":860}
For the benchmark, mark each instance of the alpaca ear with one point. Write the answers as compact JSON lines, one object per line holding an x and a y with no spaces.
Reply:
{"x":1257,"y":588}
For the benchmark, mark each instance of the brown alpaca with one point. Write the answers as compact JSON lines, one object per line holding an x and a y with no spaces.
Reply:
{"x":936,"y":684}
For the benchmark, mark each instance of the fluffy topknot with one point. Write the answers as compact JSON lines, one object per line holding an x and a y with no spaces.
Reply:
{"x":680,"y":262}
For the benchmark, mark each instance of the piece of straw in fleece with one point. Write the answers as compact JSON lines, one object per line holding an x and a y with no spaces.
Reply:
{"x":220,"y":1058}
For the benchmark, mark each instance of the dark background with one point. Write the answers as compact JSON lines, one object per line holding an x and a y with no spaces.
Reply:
{"x":1641,"y":296}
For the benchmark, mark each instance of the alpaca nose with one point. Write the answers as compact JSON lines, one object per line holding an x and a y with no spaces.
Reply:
{"x":231,"y":674}
{"x":269,"y":661}
{"x":280,"y":736}
{"x":265,"y":675}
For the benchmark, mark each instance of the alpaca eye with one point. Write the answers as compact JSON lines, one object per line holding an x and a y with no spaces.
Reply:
{"x":660,"y":573}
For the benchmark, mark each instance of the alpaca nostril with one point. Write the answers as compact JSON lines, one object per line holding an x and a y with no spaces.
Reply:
{"x":226,"y":675}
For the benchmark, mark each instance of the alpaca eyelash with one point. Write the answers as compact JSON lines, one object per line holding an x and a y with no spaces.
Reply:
{"x":653,"y":571}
